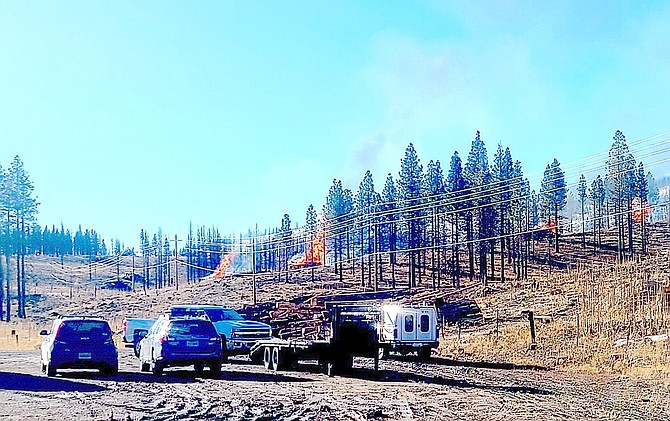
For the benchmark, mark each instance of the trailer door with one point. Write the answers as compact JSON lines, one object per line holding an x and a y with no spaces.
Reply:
{"x":408,"y":326}
{"x":425,"y":326}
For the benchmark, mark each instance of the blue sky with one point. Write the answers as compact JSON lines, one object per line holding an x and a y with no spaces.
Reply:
{"x":133,"y":115}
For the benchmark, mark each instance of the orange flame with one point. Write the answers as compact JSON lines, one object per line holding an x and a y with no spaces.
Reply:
{"x":224,"y":264}
{"x":641,"y":213}
{"x":551,"y":227}
{"x":315,"y":253}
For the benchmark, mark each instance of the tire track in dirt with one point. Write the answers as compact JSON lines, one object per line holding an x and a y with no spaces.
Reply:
{"x":401,"y":390}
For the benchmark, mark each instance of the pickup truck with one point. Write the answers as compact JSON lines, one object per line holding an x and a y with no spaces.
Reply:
{"x":237,"y":334}
{"x":134,"y":329}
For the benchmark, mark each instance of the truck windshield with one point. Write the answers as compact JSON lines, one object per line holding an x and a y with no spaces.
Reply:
{"x":219,"y":314}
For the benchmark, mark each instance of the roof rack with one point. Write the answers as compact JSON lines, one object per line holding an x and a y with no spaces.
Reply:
{"x":78,"y":316}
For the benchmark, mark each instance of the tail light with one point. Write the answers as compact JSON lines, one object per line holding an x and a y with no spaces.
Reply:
{"x":125,"y":326}
{"x":164,"y":338}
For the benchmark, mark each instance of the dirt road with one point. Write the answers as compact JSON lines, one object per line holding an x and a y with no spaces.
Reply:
{"x":439,"y":390}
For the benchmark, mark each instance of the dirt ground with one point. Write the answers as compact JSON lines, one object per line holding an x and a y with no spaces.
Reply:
{"x":402,"y":390}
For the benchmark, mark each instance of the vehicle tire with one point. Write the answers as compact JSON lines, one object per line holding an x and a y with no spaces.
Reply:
{"x":224,"y":349}
{"x":137,"y":349}
{"x":215,"y":370}
{"x":267,"y":358}
{"x":256,"y":357}
{"x":109,"y":371}
{"x":43,"y":367}
{"x":198,"y":367}
{"x":277,"y":363}
{"x":424,"y":353}
{"x":144,"y":367}
{"x":50,"y":370}
{"x":157,"y":369}
{"x":347,"y":363}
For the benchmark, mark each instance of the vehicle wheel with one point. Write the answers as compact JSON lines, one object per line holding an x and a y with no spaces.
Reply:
{"x":198,"y":369}
{"x":224,"y":349}
{"x":424,"y":353}
{"x":256,"y":357}
{"x":157,"y":369}
{"x":215,"y":370}
{"x":50,"y":370}
{"x":347,"y":363}
{"x":267,"y":358}
{"x":137,"y":349}
{"x":43,"y":367}
{"x":277,"y":363}
{"x":109,"y":371}
{"x":145,"y":367}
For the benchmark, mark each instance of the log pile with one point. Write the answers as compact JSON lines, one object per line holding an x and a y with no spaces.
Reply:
{"x":289,"y":320}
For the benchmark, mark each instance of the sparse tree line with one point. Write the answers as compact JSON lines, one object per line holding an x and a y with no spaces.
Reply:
{"x":20,"y":236}
{"x":480,"y":220}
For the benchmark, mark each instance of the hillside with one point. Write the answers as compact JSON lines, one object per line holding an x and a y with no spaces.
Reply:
{"x":585,"y":300}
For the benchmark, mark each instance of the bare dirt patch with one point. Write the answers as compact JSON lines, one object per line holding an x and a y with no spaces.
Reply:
{"x":401,"y":390}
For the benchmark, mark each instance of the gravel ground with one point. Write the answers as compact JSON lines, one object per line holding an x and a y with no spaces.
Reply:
{"x":402,"y":389}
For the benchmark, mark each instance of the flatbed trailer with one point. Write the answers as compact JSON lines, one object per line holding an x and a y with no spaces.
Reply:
{"x":353,"y":333}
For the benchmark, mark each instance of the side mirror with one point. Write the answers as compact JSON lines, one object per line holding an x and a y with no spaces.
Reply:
{"x":43,"y":333}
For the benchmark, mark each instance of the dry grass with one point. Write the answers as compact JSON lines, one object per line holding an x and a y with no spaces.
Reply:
{"x":20,"y":335}
{"x":598,"y":320}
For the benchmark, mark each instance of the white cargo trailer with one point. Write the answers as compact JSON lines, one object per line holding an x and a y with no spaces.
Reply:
{"x":408,"y":329}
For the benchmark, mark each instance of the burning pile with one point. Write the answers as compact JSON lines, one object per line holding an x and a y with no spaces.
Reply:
{"x":641,"y":213}
{"x":224,"y":264}
{"x":314,"y":255}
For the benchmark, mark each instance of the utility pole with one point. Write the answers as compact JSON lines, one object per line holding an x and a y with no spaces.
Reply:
{"x":253,"y":263}
{"x":133,"y":273}
{"x":176,"y":269}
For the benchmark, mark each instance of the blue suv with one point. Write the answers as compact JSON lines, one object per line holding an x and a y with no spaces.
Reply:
{"x":237,"y":334}
{"x":181,"y":341}
{"x":79,"y":342}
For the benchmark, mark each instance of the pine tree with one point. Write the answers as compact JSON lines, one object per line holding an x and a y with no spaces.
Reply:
{"x":23,"y":207}
{"x":388,"y":207}
{"x":410,"y":182}
{"x":285,"y":233}
{"x":620,"y":169}
{"x":642,"y":194}
{"x":503,"y":168}
{"x":455,"y":186}
{"x":365,"y":204}
{"x":581,"y":191}
{"x":597,"y":195}
{"x":554,"y":196}
{"x":477,"y":176}
{"x":434,"y":189}
{"x":339,"y":204}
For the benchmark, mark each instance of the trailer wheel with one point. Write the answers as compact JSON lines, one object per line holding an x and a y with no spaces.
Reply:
{"x":277,"y":363}
{"x":424,"y":353}
{"x":267,"y":358}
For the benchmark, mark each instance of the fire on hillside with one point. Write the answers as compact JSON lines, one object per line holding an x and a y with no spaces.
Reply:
{"x":314,"y":255}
